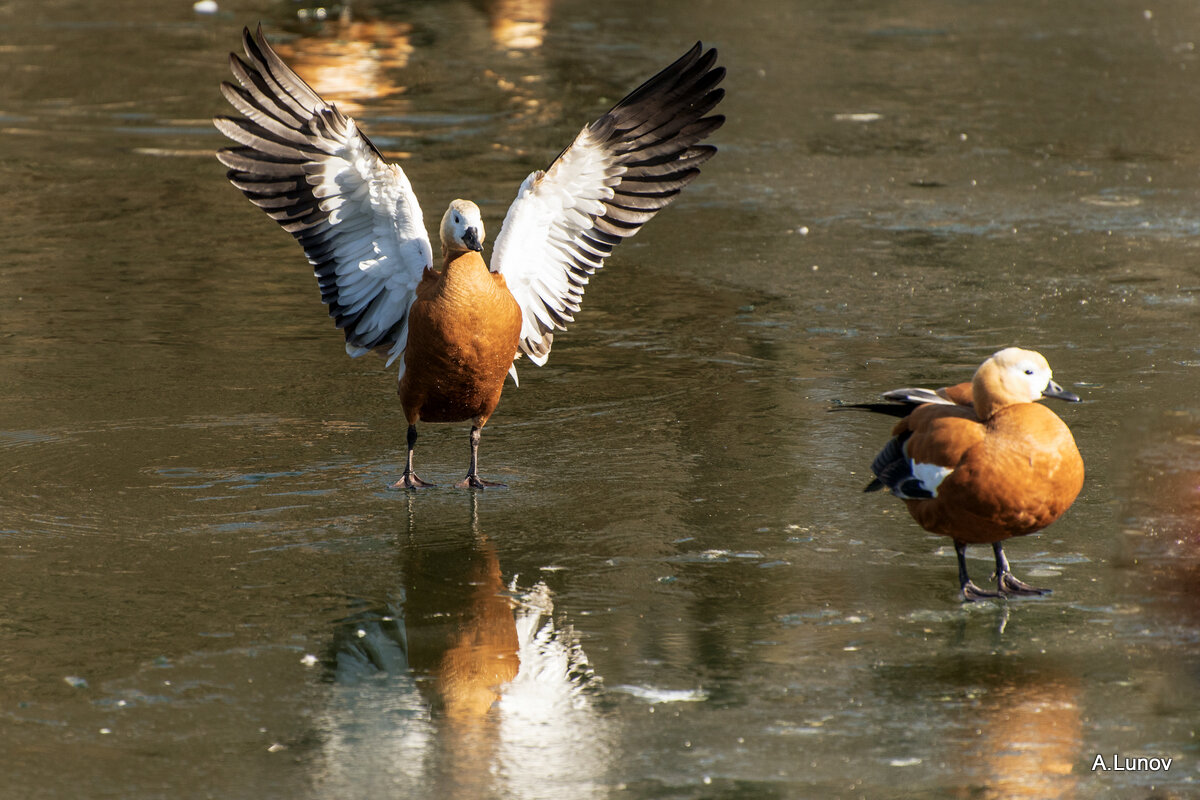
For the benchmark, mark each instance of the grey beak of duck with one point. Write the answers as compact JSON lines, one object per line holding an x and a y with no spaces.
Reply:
{"x":1054,"y":390}
{"x":471,"y":240}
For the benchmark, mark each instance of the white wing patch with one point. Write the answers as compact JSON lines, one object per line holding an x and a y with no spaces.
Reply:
{"x":547,"y":225}
{"x":313,"y":172}
{"x":616,"y":175}
{"x":311,"y":169}
{"x":930,"y":476}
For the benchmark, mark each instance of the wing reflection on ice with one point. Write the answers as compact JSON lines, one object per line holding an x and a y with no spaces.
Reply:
{"x":461,"y":686}
{"x":548,"y":712}
{"x":376,"y":726}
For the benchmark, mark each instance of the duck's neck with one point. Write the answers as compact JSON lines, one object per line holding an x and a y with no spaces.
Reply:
{"x":463,"y":271}
{"x":988,"y":391}
{"x":451,"y":257}
{"x":985,"y":407}
{"x":989,"y":398}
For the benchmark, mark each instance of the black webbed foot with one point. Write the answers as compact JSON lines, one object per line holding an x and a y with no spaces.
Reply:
{"x":475,"y":482}
{"x":411,"y":481}
{"x":1010,"y":584}
{"x":972,"y":593}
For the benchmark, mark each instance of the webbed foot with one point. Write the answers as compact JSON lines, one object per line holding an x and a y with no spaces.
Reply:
{"x":475,"y":482}
{"x":1010,"y":584}
{"x":411,"y":481}
{"x":972,"y":593}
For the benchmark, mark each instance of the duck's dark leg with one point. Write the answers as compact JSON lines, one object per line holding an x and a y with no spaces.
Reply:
{"x":1008,"y":583}
{"x":410,"y":479}
{"x":473,"y":481}
{"x":970,"y":591}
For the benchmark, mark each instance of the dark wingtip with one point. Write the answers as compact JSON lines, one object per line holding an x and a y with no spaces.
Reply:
{"x":888,"y":409}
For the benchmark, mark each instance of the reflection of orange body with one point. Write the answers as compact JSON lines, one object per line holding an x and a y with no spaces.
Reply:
{"x":481,"y":655}
{"x":1029,"y":742}
{"x":519,"y":24}
{"x":462,"y":634}
{"x":353,"y":63}
{"x":462,"y":631}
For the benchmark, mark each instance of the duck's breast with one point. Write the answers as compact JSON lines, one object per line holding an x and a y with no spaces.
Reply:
{"x":1022,"y":475}
{"x":463,"y":332}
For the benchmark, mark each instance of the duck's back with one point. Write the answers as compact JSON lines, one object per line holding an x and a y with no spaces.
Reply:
{"x":1021,"y":472}
{"x":462,"y":338}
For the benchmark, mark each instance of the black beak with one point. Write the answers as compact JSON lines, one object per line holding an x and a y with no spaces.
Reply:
{"x":1054,"y":390}
{"x":471,"y":240}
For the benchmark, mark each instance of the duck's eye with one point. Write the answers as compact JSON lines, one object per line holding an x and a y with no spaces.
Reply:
{"x":1028,"y":372}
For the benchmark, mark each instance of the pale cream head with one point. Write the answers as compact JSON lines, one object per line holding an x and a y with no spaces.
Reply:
{"x":462,"y":227}
{"x":1019,"y":375}
{"x":1013,"y":376}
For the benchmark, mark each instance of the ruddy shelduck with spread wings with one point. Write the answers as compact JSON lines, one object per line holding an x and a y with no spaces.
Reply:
{"x":457,"y":331}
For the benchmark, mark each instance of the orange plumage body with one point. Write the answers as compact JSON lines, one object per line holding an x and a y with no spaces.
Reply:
{"x":1013,"y":473}
{"x":463,"y":333}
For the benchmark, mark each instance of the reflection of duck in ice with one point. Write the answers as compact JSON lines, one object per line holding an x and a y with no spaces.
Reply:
{"x":1030,"y":740}
{"x":461,"y":681}
{"x":996,"y":728}
{"x":518,"y":24}
{"x":460,"y":624}
{"x":352,"y":61}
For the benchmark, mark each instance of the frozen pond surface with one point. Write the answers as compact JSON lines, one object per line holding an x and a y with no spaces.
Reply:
{"x":207,"y":591}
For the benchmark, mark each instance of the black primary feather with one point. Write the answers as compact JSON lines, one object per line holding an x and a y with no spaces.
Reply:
{"x":893,"y":469}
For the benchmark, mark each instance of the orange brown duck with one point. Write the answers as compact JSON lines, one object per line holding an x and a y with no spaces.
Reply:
{"x":983,"y":461}
{"x":458,"y":331}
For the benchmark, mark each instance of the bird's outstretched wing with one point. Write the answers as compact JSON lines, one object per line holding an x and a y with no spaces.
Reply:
{"x":618,"y":173}
{"x":314,"y":173}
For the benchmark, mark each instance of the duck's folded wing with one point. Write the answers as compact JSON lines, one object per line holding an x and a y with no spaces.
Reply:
{"x":618,"y":173}
{"x":926,"y":447}
{"x":915,"y":397}
{"x":902,"y":402}
{"x":314,"y":173}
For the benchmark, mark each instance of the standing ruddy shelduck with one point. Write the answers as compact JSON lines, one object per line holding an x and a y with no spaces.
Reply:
{"x":459,"y":330}
{"x":981,"y":462}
